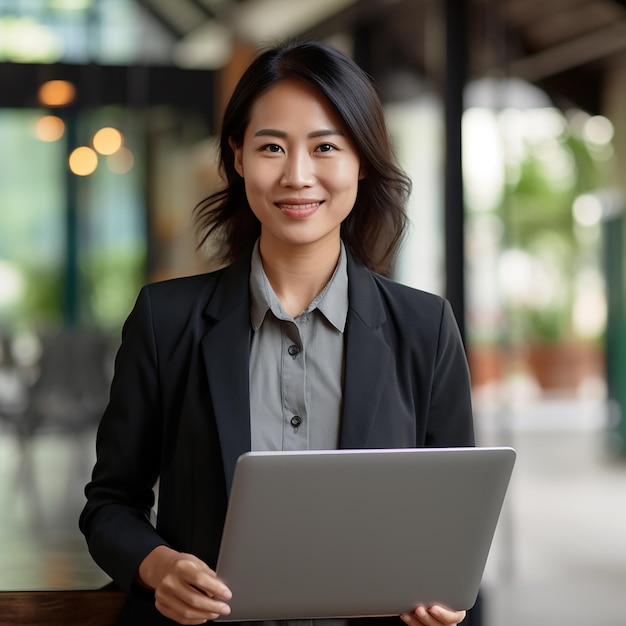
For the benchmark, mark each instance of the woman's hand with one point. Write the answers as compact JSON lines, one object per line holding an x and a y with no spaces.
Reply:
{"x":186,"y":589}
{"x":434,"y":615}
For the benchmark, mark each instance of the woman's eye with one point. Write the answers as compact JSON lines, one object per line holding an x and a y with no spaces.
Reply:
{"x":272,"y":147}
{"x":325,"y":147}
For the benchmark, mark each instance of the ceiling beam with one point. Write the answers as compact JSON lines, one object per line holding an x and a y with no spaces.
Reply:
{"x":178,"y":18}
{"x":203,"y":8}
{"x":165,"y":23}
{"x":593,"y":46}
{"x":102,"y":85}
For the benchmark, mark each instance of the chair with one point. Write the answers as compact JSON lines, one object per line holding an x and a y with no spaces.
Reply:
{"x":71,"y":390}
{"x":68,"y":394}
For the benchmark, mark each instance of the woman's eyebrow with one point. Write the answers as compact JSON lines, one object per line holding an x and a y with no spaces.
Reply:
{"x":271,"y":132}
{"x":324,"y":133}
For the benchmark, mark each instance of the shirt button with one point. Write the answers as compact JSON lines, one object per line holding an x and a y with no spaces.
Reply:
{"x":293,"y":349}
{"x":296,"y":420}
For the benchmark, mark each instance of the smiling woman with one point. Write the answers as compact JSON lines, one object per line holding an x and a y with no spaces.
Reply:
{"x":300,"y":187}
{"x":342,"y":100}
{"x":297,"y":344}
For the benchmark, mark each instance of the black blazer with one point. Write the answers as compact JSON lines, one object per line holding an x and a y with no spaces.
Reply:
{"x":179,"y":407}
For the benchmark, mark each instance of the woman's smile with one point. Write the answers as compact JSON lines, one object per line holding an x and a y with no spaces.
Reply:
{"x":298,"y":209}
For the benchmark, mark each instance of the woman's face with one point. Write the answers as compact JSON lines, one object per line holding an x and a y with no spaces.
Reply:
{"x":300,"y":168}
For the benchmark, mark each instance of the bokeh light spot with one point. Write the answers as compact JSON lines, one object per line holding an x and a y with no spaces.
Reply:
{"x":107,"y":140}
{"x":121,"y":161}
{"x":49,"y":128}
{"x":83,"y":161}
{"x":57,"y":93}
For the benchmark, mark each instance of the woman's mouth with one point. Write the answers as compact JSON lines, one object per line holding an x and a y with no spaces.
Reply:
{"x":298,"y":209}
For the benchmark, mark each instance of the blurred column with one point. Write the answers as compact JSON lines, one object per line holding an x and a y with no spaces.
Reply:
{"x":456,"y":13}
{"x":457,"y":53}
{"x":71,"y":291}
{"x":139,"y":131}
{"x":243,"y":54}
{"x":615,"y":258}
{"x":615,"y":331}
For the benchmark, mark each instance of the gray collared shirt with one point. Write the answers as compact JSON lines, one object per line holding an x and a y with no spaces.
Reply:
{"x":296,"y":373}
{"x":296,"y":365}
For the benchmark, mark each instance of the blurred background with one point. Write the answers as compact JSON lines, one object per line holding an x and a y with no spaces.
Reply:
{"x":509,"y":116}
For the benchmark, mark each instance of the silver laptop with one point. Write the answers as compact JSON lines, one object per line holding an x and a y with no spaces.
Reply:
{"x":351,"y":533}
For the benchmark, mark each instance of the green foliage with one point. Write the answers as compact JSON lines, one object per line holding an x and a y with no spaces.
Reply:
{"x":537,"y":212}
{"x":111,"y":280}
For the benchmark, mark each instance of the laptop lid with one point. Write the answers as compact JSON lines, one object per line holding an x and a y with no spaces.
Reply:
{"x":348,"y":533}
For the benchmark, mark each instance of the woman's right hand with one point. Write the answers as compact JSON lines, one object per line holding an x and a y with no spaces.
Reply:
{"x":186,"y":589}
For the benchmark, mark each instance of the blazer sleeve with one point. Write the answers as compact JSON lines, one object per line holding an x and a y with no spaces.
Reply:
{"x":115,"y":519}
{"x":450,"y":419}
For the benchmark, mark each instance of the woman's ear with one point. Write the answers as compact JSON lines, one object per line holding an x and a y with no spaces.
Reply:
{"x":238,"y":156}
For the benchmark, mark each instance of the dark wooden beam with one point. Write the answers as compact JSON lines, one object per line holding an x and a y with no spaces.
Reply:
{"x":104,"y":85}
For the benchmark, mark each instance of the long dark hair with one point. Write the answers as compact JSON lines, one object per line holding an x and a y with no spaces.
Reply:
{"x":375,"y":227}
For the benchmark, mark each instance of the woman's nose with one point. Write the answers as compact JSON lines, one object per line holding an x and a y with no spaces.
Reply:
{"x":298,"y":171}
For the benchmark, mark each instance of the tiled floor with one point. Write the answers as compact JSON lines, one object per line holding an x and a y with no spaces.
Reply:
{"x":558,"y":559}
{"x":559,"y":556}
{"x":40,"y":501}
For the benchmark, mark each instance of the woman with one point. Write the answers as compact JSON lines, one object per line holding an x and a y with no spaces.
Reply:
{"x":296,"y":344}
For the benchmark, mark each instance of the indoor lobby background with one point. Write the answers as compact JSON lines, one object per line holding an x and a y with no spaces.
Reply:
{"x":510,"y":118}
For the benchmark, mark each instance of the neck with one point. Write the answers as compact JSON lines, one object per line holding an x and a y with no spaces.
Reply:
{"x":297,"y":276}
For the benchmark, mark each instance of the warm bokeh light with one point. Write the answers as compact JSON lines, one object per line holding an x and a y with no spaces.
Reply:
{"x":121,"y":161}
{"x":57,"y":93}
{"x":108,"y":140}
{"x":83,"y":161}
{"x":49,"y":128}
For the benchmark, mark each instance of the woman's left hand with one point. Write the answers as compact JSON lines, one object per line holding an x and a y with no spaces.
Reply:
{"x":434,"y":615}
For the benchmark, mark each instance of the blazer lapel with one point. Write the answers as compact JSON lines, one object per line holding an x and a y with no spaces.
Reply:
{"x":226,"y":350}
{"x":367,"y":357}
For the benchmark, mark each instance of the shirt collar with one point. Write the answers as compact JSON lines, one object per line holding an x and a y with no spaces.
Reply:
{"x":332,"y":301}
